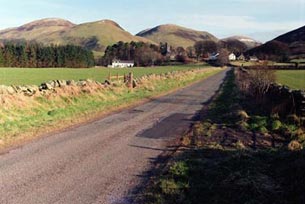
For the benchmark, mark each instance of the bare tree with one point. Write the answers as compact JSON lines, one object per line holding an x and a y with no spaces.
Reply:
{"x":205,"y":47}
{"x":260,"y":80}
{"x":223,"y":58}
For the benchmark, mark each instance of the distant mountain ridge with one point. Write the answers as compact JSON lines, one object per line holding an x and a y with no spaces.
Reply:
{"x":176,"y":35}
{"x":249,"y":42}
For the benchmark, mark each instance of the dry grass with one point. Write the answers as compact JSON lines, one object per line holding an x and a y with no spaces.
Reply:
{"x":23,"y":117}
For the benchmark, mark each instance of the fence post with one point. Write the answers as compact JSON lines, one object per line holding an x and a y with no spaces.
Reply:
{"x":109,"y":76}
{"x":125,"y":78}
{"x":130,"y":83}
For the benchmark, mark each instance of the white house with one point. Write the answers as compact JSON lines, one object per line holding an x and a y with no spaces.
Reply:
{"x":253,"y":59}
{"x":232,"y":57}
{"x":121,"y":64}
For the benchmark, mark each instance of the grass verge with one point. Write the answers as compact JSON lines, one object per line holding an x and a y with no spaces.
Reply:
{"x":233,"y":157}
{"x":39,"y":115}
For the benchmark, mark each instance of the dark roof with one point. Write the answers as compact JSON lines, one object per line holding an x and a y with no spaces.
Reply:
{"x":124,"y":61}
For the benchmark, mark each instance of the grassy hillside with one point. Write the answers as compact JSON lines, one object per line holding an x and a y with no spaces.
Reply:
{"x":292,"y":44}
{"x":24,"y":76}
{"x":176,"y":35}
{"x":95,"y":36}
{"x":36,"y":29}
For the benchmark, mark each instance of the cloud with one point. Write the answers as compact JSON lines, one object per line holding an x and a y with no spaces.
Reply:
{"x":238,"y":22}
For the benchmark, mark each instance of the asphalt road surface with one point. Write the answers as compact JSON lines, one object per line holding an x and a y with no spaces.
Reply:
{"x":102,"y":161}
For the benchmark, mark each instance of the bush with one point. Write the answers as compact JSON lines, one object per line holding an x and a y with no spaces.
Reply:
{"x":263,"y":130}
{"x":179,"y":169}
{"x":243,"y":115}
{"x":295,"y":146}
{"x":243,"y":125}
{"x":293,"y":119}
{"x":276,"y":125}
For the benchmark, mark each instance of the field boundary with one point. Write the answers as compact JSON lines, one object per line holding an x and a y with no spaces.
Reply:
{"x":87,"y":117}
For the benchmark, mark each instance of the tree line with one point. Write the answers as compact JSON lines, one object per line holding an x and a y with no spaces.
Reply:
{"x":34,"y":55}
{"x":145,"y":54}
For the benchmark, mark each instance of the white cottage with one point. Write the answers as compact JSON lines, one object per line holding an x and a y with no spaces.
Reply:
{"x":232,"y":57}
{"x":121,"y":64}
{"x":253,"y":59}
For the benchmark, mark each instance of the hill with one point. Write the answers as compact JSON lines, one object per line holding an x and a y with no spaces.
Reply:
{"x":296,"y":42}
{"x":95,"y":36}
{"x":249,"y":42}
{"x":36,"y":29}
{"x":176,"y":35}
{"x":287,"y":46}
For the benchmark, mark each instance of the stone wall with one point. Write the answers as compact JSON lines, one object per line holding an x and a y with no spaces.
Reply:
{"x":48,"y":87}
{"x":286,"y":101}
{"x":278,"y":98}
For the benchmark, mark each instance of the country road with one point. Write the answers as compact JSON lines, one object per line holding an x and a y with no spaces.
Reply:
{"x":101,"y":162}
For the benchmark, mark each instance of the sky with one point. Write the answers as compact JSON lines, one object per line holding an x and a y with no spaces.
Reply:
{"x":260,"y":19}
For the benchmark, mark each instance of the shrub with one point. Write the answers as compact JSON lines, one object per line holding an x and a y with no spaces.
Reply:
{"x":293,"y":119}
{"x":179,"y":169}
{"x":171,"y":187}
{"x":263,"y":130}
{"x":239,"y":145}
{"x":243,"y":125}
{"x":243,"y":115}
{"x":276,"y":125}
{"x":295,"y":146}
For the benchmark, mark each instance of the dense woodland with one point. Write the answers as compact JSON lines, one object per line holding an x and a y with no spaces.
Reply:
{"x":35,"y":55}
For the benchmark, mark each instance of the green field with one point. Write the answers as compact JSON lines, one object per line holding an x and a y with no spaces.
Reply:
{"x":293,"y":78}
{"x":25,"y":117}
{"x":298,"y":60}
{"x":30,"y":76}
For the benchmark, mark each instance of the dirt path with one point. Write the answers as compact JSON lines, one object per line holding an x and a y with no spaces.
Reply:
{"x":99,"y":162}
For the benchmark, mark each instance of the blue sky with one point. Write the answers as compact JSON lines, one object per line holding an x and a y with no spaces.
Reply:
{"x":262,"y":19}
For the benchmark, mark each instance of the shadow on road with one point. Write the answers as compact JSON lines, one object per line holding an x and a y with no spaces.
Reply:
{"x":171,"y":128}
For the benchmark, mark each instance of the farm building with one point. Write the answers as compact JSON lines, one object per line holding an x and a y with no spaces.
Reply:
{"x":232,"y":57}
{"x":121,"y":64}
{"x":241,"y":57}
{"x":253,"y":59}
